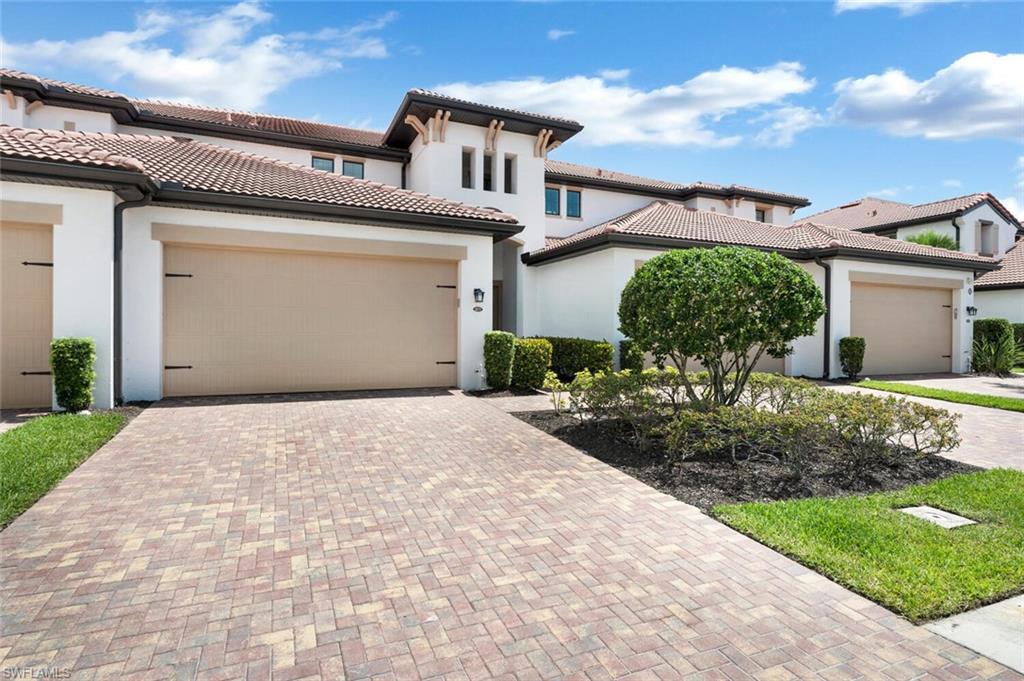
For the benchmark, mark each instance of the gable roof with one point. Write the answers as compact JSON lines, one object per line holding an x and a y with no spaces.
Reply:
{"x":613,"y":179}
{"x":665,"y":224}
{"x":185,"y":170}
{"x":1010,"y":273}
{"x":871,"y":214}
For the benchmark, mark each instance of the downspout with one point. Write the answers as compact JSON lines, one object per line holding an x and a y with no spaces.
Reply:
{"x":405,"y":164}
{"x":956,"y":230}
{"x":119,"y":210}
{"x":827,"y":356}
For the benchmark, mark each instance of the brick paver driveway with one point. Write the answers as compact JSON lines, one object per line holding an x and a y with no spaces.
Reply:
{"x":410,"y":537}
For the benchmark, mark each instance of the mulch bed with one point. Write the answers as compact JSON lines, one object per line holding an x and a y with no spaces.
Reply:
{"x":704,"y":482}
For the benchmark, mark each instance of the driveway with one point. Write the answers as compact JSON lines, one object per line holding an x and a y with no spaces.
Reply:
{"x":404,"y":537}
{"x":1001,"y":386}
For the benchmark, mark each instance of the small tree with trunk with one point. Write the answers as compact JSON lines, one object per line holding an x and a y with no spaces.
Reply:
{"x":724,"y":308}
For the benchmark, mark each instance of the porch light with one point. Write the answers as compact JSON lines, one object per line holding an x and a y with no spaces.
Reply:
{"x":972,"y":311}
{"x":478,"y":295}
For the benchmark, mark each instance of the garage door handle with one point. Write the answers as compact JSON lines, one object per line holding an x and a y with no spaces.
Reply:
{"x":177,"y":366}
{"x":35,"y":373}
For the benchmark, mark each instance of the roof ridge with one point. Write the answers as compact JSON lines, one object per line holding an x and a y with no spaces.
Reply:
{"x":241,"y":112}
{"x":952,"y":198}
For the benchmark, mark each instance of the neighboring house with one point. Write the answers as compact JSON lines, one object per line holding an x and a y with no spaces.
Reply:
{"x":978,"y":223}
{"x":219,"y":252}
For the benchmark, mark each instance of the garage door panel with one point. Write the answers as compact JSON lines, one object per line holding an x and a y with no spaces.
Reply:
{"x":906,"y":329}
{"x":259,"y":321}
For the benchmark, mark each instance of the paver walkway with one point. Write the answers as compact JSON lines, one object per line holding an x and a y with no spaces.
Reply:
{"x":1000,"y":386}
{"x":410,"y":537}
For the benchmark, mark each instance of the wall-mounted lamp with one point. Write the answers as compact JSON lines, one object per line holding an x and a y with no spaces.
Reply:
{"x":972,"y":311}
{"x":478,"y":295}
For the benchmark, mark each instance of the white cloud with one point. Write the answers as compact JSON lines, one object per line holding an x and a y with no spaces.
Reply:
{"x":677,"y":114}
{"x":614,"y":74}
{"x":221,"y":58}
{"x":559,"y":33}
{"x":906,"y":7}
{"x":890,"y":192}
{"x":785,"y":123}
{"x":1014,"y":206}
{"x":1015,"y":202}
{"x":978,"y":95}
{"x":955,"y":184}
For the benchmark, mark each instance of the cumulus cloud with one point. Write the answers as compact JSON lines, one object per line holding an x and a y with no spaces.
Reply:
{"x":677,"y":114}
{"x":1015,"y":202}
{"x":221,"y":58}
{"x":906,"y":7}
{"x":784,"y":123}
{"x":559,"y":33}
{"x":978,"y":95}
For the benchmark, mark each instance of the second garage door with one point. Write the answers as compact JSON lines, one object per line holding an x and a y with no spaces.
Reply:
{"x":907,"y":330}
{"x":250,"y":321}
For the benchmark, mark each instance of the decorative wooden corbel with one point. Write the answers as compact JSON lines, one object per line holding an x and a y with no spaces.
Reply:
{"x":12,"y":101}
{"x":418,"y":126}
{"x":38,"y":104}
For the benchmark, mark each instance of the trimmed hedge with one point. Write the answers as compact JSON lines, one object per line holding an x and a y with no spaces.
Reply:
{"x":569,"y":356}
{"x":72,"y":362}
{"x":499,"y":351}
{"x":992,"y":329}
{"x":530,"y":362}
{"x":630,"y":356}
{"x":851,"y":355}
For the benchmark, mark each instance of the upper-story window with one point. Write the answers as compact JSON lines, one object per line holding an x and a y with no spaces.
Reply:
{"x":510,"y":174}
{"x":552,"y":201}
{"x":760,"y":215}
{"x":573,"y":203}
{"x":353,"y":169}
{"x":323,"y":163}
{"x":467,"y":168}
{"x":488,"y":172}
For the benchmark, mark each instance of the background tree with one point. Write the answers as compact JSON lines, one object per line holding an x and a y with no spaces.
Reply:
{"x":722,"y":307}
{"x":933,"y":238}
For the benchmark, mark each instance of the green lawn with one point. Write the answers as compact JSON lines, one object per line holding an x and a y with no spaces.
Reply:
{"x":909,"y":565}
{"x":994,"y":401}
{"x":37,"y":455}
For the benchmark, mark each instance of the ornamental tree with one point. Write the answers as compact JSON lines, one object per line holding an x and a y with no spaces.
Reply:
{"x":723,"y":308}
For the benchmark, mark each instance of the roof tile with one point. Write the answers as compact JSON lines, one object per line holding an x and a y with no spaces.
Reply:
{"x":872,"y":213}
{"x":1010,"y":272}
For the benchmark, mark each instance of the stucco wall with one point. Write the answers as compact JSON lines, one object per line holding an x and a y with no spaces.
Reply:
{"x":578,"y":297}
{"x":53,"y":117}
{"x":970,"y":230}
{"x":1001,"y":303}
{"x":597,"y":206}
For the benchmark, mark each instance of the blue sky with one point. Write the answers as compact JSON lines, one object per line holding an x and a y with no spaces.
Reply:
{"x":909,"y":101}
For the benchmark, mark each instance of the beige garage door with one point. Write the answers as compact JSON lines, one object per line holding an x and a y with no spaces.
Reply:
{"x":26,"y":320}
{"x":249,"y":321}
{"x":907,"y":330}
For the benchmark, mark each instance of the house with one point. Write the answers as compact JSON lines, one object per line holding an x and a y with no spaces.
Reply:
{"x":210,"y":251}
{"x":978,"y":223}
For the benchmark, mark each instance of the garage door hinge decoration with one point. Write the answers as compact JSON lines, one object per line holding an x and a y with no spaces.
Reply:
{"x":35,"y":373}
{"x":446,"y":286}
{"x":444,"y":362}
{"x":177,"y":366}
{"x":36,"y":264}
{"x":175,"y":274}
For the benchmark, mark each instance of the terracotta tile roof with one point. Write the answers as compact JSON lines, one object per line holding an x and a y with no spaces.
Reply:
{"x":1010,"y":272}
{"x":441,"y":95}
{"x":67,"y":87}
{"x":265,"y":122}
{"x":872,"y":213}
{"x":668,"y":220}
{"x":208,"y":168}
{"x":582,"y":172}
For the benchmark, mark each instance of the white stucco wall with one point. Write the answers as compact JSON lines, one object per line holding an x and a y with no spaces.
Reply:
{"x":598,"y":205}
{"x":970,"y":230}
{"x":54,"y":117}
{"x":1001,"y":303}
{"x":143,"y":285}
{"x":578,"y":297}
{"x":83,"y":274}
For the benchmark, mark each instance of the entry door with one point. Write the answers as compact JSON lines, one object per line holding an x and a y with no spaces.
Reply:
{"x":906,"y":329}
{"x":251,"y":321}
{"x":26,"y":316}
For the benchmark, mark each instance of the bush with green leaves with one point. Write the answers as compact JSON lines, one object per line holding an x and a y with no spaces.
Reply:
{"x":558,"y":389}
{"x":933,"y":238}
{"x":499,"y":353}
{"x":851,"y":355}
{"x":996,"y":356}
{"x":992,"y":329}
{"x":1018,"y":334}
{"x":530,"y":363}
{"x":73,"y":365}
{"x":724,"y":307}
{"x":776,"y":392}
{"x":571,"y":355}
{"x":630,"y":356}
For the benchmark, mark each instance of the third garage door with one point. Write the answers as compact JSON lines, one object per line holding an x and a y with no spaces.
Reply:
{"x":251,"y":321}
{"x":906,"y":329}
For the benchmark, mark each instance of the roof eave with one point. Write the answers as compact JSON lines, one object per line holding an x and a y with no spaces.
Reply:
{"x":911,"y":258}
{"x":678,"y":194}
{"x":999,"y":287}
{"x":126,"y":182}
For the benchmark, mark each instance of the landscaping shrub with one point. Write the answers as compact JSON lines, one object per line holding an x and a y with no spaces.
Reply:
{"x":933,"y":238}
{"x":851,"y":355}
{"x":499,"y":352}
{"x":996,"y":356}
{"x":776,"y":392}
{"x":1018,"y":335}
{"x":572,"y":355}
{"x":724,"y":307}
{"x":558,"y":389}
{"x":72,"y":362}
{"x":530,"y":362}
{"x":624,"y":396}
{"x":630,"y":356}
{"x":992,"y":329}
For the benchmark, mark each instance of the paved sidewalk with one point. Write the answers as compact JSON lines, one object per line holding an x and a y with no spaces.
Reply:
{"x":409,"y":537}
{"x":1002,"y":386}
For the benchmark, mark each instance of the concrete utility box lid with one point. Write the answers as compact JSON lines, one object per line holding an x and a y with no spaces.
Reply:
{"x":938,"y":516}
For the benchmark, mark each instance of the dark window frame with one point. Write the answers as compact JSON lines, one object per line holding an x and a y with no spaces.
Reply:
{"x":487,"y":183}
{"x":323,"y":159}
{"x":579,"y":203}
{"x":467,"y":168}
{"x":558,"y":203}
{"x":345,"y":162}
{"x":761,"y":215}
{"x":509,"y":168}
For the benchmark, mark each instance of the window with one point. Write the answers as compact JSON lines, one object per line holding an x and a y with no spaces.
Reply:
{"x":510,"y":174}
{"x":467,"y":168}
{"x":552,"y":201}
{"x":352,"y":169}
{"x":573,"y":203}
{"x":322,"y":163}
{"x":488,"y":172}
{"x":759,"y":215}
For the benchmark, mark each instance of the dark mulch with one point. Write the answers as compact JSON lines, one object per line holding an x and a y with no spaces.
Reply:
{"x":705,"y":482}
{"x":510,"y":392}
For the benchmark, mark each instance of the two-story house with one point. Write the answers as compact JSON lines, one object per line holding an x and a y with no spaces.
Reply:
{"x":210,"y":251}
